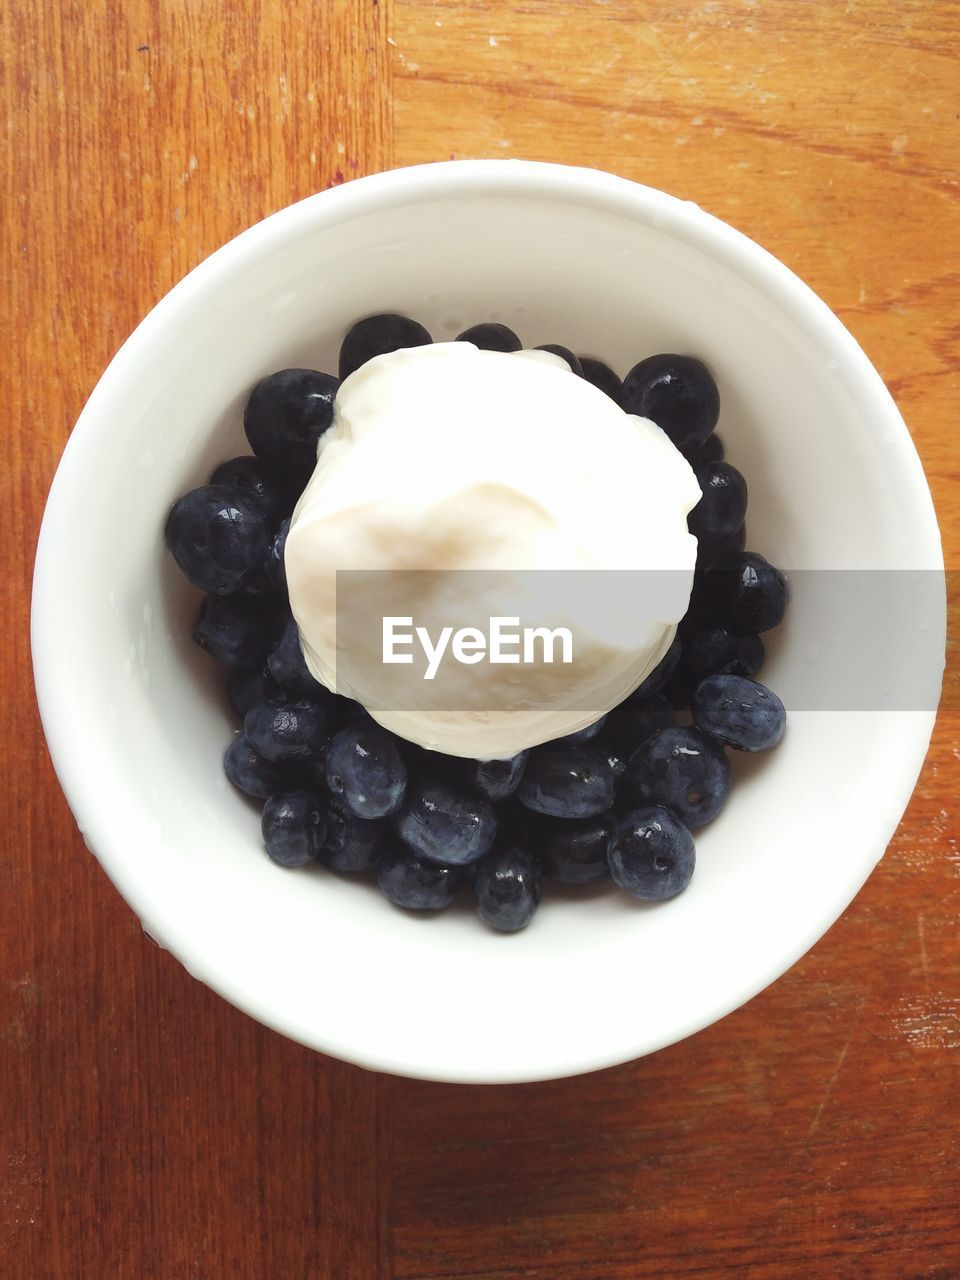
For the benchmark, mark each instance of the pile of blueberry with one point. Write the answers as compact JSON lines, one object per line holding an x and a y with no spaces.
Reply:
{"x":617,"y":800}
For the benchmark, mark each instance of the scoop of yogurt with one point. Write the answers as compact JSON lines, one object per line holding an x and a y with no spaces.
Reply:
{"x":456,"y":486}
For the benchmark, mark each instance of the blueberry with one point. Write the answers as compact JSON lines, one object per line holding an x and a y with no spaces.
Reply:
{"x":710,"y":451}
{"x":507,"y":885}
{"x":247,"y":685}
{"x":416,"y":883}
{"x":659,"y":676}
{"x":351,"y":843}
{"x":739,"y":712}
{"x":218,"y":537}
{"x":750,"y":592}
{"x":652,"y":854}
{"x":286,"y":663}
{"x":574,"y":851}
{"x":249,"y":475}
{"x":293,"y":828}
{"x":717,"y":551}
{"x":375,"y":336}
{"x":491,"y":337}
{"x":679,"y":768}
{"x":251,"y":773}
{"x":496,"y":779}
{"x":274,"y":564}
{"x":615,"y":758}
{"x":234,"y":629}
{"x":602,"y":377}
{"x":634,"y":721}
{"x":719,"y":650}
{"x":678,"y":393}
{"x":363,"y":766}
{"x":566,"y":782}
{"x":443,"y":823}
{"x":285,"y":417}
{"x":678,"y":688}
{"x":565,"y":354}
{"x":282,"y":728}
{"x":587,"y":734}
{"x":721,"y":509}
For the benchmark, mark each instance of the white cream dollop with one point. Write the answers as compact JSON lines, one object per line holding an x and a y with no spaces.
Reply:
{"x":448,"y":458}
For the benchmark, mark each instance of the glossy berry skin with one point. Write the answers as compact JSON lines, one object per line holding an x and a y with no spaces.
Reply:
{"x":710,"y":451}
{"x":247,"y":685}
{"x":496,"y":779}
{"x":234,"y":629}
{"x":351,"y":844}
{"x":416,"y":883}
{"x":490,"y":336}
{"x":602,"y":377}
{"x":507,"y":886}
{"x":566,"y":782}
{"x":676,"y":392}
{"x":738,"y":712}
{"x":251,"y":773}
{"x":285,"y":729}
{"x":754,"y":593}
{"x":292,"y":826}
{"x":657,"y":680}
{"x":682,"y":769}
{"x":218,"y":536}
{"x":287,"y":413}
{"x":251,"y":477}
{"x":586,"y":734}
{"x":721,"y":509}
{"x":286,"y":663}
{"x":712,"y":552}
{"x":575,"y":852}
{"x":565,"y":354}
{"x":274,"y":564}
{"x":364,"y":767}
{"x":634,"y":721}
{"x":652,"y":854}
{"x":719,"y":650}
{"x":375,"y":336}
{"x":445,"y":823}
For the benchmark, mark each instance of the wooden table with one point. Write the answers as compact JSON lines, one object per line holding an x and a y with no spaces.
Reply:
{"x":151,"y":1132}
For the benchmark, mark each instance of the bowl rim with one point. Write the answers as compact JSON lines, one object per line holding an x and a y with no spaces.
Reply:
{"x":54,"y":679}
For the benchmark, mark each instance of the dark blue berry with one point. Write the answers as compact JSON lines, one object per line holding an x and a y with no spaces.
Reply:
{"x":283,"y":728}
{"x":416,"y":883}
{"x":496,"y":779}
{"x":634,"y":721}
{"x":443,"y":823}
{"x":739,"y":712}
{"x":247,"y":685}
{"x":652,"y":854}
{"x":286,"y":415}
{"x":720,"y":511}
{"x":234,"y":629}
{"x":293,"y":828}
{"x":719,"y":650}
{"x":679,"y":688}
{"x":602,"y":377}
{"x":351,"y":843}
{"x":750,"y":592}
{"x":286,"y":663}
{"x":710,"y":451}
{"x":363,"y":765}
{"x":375,"y":336}
{"x":676,"y":392}
{"x":717,"y":551}
{"x":251,"y":477}
{"x":658,"y":677}
{"x":491,"y":337}
{"x":615,"y":758}
{"x":575,"y":851}
{"x":565,"y":354}
{"x":251,"y":773}
{"x":679,"y":768}
{"x":274,"y":564}
{"x":218,"y":537}
{"x":566,"y":782}
{"x":587,"y":734}
{"x":507,"y":885}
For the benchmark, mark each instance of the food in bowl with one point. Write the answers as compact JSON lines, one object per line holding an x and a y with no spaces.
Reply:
{"x":455,"y":456}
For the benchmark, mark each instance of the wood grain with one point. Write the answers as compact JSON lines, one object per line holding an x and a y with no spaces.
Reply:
{"x":148,"y":1130}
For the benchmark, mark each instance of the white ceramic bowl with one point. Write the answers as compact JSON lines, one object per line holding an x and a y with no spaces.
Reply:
{"x":134,"y":713}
